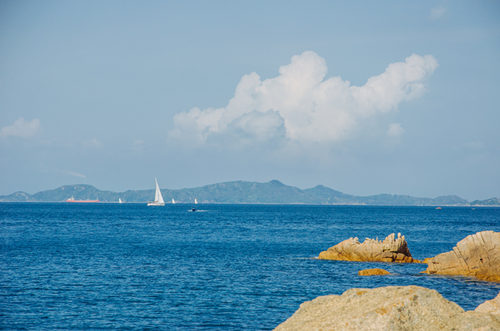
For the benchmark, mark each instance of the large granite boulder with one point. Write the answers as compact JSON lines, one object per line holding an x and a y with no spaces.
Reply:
{"x":391,"y":249}
{"x":491,"y":306}
{"x":387,"y":308}
{"x":477,"y":255}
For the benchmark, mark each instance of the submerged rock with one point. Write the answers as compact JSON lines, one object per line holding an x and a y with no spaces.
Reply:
{"x":387,"y":308}
{"x":373,"y":272}
{"x":477,"y":255}
{"x":391,"y":249}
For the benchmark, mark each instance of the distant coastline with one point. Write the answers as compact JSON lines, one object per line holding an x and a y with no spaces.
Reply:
{"x":243,"y":192}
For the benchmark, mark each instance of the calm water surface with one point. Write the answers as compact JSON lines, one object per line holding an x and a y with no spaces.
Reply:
{"x":228,"y":267}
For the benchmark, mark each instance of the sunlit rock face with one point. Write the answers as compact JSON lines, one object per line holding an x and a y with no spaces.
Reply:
{"x":391,"y":249}
{"x":491,"y":306}
{"x":388,"y":308}
{"x":477,"y":255}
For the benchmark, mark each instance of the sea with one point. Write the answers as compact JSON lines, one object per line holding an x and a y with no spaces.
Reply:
{"x":224,"y":267}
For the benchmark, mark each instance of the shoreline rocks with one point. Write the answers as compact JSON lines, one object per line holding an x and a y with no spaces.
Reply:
{"x":477,"y":255}
{"x":389,"y":308}
{"x":391,"y":249}
{"x":491,"y":306}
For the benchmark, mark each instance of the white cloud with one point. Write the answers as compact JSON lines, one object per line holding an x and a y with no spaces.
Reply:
{"x":92,"y":143}
{"x":302,"y":106}
{"x":474,"y":145}
{"x":21,"y":128}
{"x":138,"y":145}
{"x":437,"y":12}
{"x":395,"y":130}
{"x":75,"y":174}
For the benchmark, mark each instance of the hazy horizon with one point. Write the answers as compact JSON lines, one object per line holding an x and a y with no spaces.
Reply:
{"x":364,"y":97}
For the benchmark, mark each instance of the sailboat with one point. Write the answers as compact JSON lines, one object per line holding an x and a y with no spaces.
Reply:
{"x":158,"y":197}
{"x":173,"y":201}
{"x":120,"y":200}
{"x":195,"y":202}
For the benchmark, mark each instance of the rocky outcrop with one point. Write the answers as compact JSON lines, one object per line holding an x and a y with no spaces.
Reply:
{"x":373,"y":272}
{"x":387,"y":308}
{"x":477,"y":255}
{"x":391,"y":249}
{"x":491,"y":306}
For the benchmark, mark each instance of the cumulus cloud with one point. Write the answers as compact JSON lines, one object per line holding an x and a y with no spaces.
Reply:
{"x":301,"y":105}
{"x":437,"y":12}
{"x":395,"y":130}
{"x":21,"y":128}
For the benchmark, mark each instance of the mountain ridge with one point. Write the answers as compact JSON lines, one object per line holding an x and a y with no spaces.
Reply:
{"x":245,"y":192}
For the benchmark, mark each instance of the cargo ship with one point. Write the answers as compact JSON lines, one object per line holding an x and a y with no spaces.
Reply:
{"x":72,"y":199}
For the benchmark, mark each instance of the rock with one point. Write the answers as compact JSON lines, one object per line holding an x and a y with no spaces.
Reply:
{"x":477,"y":255}
{"x":387,"y":308}
{"x":371,"y":250}
{"x":373,"y":272}
{"x":491,"y":306}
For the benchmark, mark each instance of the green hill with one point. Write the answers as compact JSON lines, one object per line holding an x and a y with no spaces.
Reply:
{"x":240,"y":192}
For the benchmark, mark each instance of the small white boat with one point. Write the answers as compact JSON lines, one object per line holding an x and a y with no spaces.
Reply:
{"x":120,"y":200}
{"x":173,"y":201}
{"x":195,"y":201}
{"x":158,"y":197}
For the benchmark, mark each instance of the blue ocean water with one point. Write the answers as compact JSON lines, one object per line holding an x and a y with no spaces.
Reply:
{"x":227,"y":267}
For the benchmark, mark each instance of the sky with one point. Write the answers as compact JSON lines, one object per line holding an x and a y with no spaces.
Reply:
{"x":364,"y":97}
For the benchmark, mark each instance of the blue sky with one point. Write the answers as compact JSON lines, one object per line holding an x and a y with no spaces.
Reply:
{"x":365,"y":97}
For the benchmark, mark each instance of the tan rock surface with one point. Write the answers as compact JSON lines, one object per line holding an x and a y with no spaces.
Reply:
{"x":387,"y":308}
{"x":373,"y":272}
{"x":477,"y":255}
{"x":491,"y":306}
{"x":391,"y":249}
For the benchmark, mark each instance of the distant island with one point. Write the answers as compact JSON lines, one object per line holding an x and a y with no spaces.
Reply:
{"x":272,"y":192}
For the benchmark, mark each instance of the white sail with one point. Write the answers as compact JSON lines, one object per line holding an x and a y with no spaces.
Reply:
{"x":173,"y":201}
{"x":120,"y":200}
{"x":195,"y":201}
{"x":158,"y":197}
